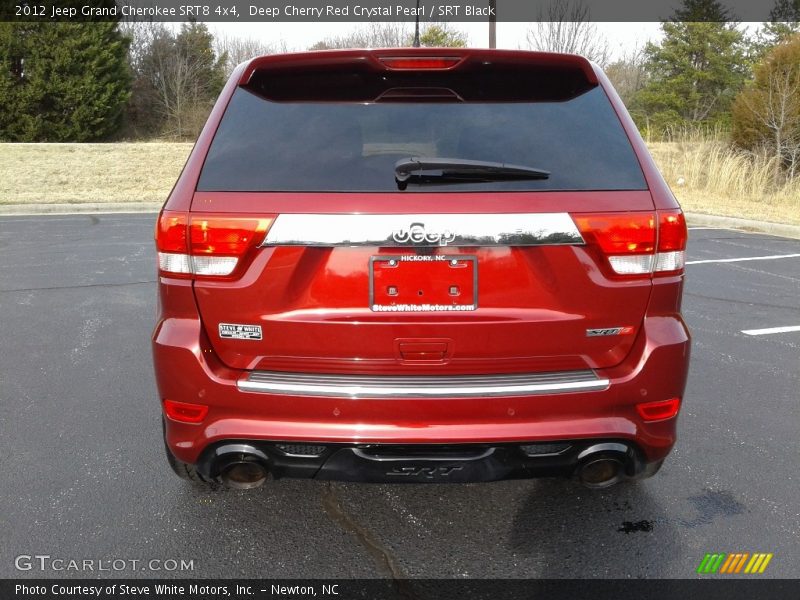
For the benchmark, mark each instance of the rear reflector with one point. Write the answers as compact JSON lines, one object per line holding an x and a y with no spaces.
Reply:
{"x":659,"y":410}
{"x":420,"y":62}
{"x":185,"y":412}
{"x":206,"y":246}
{"x":630,"y":240}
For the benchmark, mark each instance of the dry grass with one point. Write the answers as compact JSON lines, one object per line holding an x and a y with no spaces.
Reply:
{"x":708,"y":176}
{"x":74,"y":173}
{"x":705,"y":174}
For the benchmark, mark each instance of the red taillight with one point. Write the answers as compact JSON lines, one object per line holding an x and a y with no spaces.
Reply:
{"x":420,"y":62}
{"x":659,"y":410}
{"x":632,"y":242}
{"x":185,"y":412}
{"x":172,"y":232}
{"x":672,"y":236}
{"x":672,"y":232}
{"x":226,"y":236}
{"x":212,"y":246}
{"x":623,"y":233}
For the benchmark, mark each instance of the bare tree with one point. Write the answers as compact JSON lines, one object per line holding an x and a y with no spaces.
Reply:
{"x":239,"y":49}
{"x":141,"y":34}
{"x":564,"y":26}
{"x":177,"y":77}
{"x":143,"y":115}
{"x":373,"y":35}
{"x":776,"y":107}
{"x":628,"y":73}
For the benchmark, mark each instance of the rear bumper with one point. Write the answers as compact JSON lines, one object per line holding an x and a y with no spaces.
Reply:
{"x":188,"y":371}
{"x":393,"y":463}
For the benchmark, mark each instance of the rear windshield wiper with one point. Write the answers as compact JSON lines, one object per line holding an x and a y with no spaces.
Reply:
{"x":459,"y":170}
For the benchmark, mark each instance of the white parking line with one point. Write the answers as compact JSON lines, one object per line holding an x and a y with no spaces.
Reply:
{"x":730,"y":260}
{"x":771,"y":330}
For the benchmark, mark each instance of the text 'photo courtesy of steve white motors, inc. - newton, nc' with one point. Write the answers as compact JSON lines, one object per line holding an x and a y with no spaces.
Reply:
{"x":174,"y":590}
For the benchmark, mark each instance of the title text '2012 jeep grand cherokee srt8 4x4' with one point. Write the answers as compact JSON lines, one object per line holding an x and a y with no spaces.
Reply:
{"x":418,"y":265}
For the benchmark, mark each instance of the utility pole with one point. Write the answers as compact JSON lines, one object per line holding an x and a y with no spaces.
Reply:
{"x":492,"y":24}
{"x":416,"y":27}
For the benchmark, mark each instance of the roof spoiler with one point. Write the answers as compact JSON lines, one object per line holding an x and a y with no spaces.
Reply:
{"x":472,"y":75}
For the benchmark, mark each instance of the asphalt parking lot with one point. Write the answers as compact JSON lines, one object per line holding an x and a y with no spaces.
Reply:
{"x":85,"y":475}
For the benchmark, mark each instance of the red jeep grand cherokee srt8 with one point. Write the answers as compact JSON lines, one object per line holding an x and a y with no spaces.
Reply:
{"x":420,"y":265}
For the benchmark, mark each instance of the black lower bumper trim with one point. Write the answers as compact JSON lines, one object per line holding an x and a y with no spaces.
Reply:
{"x":418,"y":463}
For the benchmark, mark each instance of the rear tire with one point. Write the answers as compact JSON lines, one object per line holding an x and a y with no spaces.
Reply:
{"x":185,"y":470}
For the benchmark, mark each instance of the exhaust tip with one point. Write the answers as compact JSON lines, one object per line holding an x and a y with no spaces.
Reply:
{"x":244,"y":475}
{"x":601,"y":472}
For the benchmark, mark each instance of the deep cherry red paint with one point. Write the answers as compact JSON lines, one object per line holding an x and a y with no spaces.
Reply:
{"x":535,"y":305}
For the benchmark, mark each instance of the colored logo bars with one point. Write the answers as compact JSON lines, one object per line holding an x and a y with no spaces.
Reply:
{"x":741,"y":562}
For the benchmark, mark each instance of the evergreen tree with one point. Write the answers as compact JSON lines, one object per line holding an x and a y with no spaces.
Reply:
{"x":62,"y":82}
{"x":440,"y":36}
{"x":784,"y":21}
{"x":696,"y":70}
{"x":783,"y":24}
{"x":395,"y":35}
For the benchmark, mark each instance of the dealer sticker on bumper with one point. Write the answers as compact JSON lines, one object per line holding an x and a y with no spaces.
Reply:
{"x":237,"y":331}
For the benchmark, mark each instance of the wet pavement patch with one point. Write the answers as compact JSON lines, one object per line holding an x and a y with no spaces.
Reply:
{"x":711,"y":504}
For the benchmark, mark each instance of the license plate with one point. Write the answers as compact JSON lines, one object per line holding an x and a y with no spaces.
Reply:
{"x":423,"y":283}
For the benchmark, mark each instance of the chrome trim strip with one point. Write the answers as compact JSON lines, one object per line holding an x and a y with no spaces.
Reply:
{"x":426,"y":230}
{"x":458,"y":386}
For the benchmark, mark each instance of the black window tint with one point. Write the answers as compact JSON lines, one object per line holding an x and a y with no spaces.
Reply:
{"x":324,"y":146}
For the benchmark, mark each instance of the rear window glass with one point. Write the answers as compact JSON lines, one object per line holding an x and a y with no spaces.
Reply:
{"x":263,"y":145}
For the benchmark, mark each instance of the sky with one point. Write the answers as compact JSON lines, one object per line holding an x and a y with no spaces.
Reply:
{"x":622,"y":37}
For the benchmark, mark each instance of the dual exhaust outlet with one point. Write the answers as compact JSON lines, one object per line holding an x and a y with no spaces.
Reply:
{"x":244,"y":475}
{"x":600,"y":466}
{"x":241,"y":466}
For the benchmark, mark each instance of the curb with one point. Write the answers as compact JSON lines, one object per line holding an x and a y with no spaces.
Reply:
{"x":84,"y":207}
{"x":779,"y":229}
{"x":694,"y":219}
